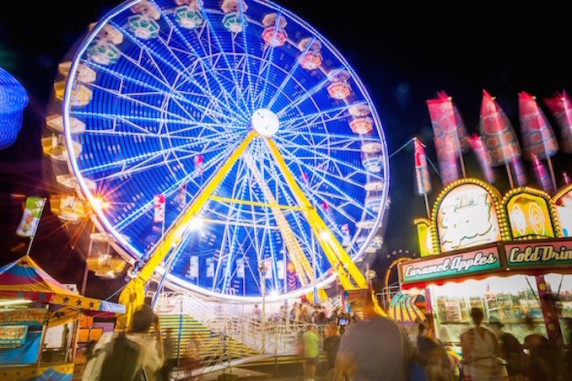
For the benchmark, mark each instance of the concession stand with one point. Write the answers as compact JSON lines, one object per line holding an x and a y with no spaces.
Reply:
{"x":510,"y":255}
{"x":39,"y":323}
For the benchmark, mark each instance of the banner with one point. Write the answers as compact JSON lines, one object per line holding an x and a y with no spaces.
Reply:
{"x":497,"y":132}
{"x":240,"y":268}
{"x":158,"y":208}
{"x":31,"y":217}
{"x":421,"y":170}
{"x":210,"y":267}
{"x":12,"y":336}
{"x":561,"y":109}
{"x":194,"y":267}
{"x":537,"y":136}
{"x":482,"y":156}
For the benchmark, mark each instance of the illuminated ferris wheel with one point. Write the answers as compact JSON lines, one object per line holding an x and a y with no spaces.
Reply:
{"x":228,"y":139}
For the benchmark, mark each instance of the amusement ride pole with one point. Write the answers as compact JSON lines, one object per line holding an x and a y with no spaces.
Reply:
{"x":262,"y":269}
{"x":315,"y":289}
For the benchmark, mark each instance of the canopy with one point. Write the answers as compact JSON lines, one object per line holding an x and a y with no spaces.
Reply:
{"x":24,"y":279}
{"x":403,"y":309}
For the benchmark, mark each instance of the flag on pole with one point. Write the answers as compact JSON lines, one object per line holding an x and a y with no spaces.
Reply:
{"x":446,"y":121}
{"x":30,"y":219}
{"x":482,"y":156}
{"x":542,"y":175}
{"x":497,"y":132}
{"x":240,"y":268}
{"x":518,"y":171}
{"x":561,"y":108}
{"x":450,"y":136}
{"x":537,"y":136}
{"x":158,"y":208}
{"x":448,"y":165}
{"x":421,"y":170}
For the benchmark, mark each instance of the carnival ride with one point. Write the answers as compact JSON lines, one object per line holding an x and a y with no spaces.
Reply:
{"x":228,"y":148}
{"x":13,"y":99}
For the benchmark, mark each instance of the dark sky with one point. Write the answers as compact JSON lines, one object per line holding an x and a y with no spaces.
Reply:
{"x":404,"y":53}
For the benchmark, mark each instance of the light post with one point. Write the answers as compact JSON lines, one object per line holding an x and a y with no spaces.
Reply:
{"x":262,"y":269}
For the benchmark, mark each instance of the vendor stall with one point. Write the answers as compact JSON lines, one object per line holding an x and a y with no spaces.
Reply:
{"x":506,"y":255}
{"x":39,"y":323}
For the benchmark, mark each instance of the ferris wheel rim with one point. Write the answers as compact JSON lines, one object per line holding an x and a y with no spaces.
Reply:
{"x":86,"y":192}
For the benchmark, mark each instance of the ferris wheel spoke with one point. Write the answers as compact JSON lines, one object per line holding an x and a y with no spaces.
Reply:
{"x":292,"y":125}
{"x":289,"y":76}
{"x":126,"y":78}
{"x":181,"y":68}
{"x":138,"y":102}
{"x":269,"y":56}
{"x":307,"y":95}
{"x":138,"y":213}
{"x":209,"y":69}
{"x":214,"y":37}
{"x":249,"y":71}
{"x":145,"y":157}
{"x":324,"y":176}
{"x":296,"y":152}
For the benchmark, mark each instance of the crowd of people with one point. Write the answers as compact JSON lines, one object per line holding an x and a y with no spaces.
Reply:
{"x":371,"y":347}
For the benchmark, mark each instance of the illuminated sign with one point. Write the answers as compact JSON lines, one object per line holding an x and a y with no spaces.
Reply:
{"x":424,"y":234}
{"x":24,"y":315}
{"x":564,"y":210}
{"x":528,"y":215}
{"x":454,"y":265}
{"x":467,"y":217}
{"x":13,"y":335}
{"x":547,"y":253}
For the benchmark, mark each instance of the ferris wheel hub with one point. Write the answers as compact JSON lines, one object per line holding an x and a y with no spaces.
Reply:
{"x":265,"y":122}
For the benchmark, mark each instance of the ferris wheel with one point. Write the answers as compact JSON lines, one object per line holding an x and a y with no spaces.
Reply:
{"x":231,"y":141}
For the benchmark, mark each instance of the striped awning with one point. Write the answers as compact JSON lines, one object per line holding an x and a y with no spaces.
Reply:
{"x":403,"y":309}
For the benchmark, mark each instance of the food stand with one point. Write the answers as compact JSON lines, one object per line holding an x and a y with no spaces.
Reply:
{"x":39,"y":323}
{"x":508,"y":255}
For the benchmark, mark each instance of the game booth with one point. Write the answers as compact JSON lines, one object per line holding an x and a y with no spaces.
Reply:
{"x":509,"y":255}
{"x":39,"y":323}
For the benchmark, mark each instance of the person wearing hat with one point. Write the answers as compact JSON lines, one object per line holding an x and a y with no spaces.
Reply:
{"x":481,"y":351}
{"x":511,"y":350}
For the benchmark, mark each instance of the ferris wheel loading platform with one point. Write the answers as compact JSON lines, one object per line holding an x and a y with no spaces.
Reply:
{"x":227,"y":335}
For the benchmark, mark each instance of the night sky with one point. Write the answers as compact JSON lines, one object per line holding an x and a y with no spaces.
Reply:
{"x":404,"y":54}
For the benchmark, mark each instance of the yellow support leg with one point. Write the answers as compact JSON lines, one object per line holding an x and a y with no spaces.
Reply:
{"x":332,"y":248}
{"x":133,"y":295}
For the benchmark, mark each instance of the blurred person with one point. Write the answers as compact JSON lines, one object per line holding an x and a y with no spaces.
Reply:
{"x":433,"y":356}
{"x":169,"y":363}
{"x":331,"y":344}
{"x":512,"y":351}
{"x":311,"y":352}
{"x":372,"y":348}
{"x":150,"y":349}
{"x":481,"y":351}
{"x":191,"y":358}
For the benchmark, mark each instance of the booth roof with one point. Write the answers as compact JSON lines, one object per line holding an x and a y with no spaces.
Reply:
{"x":23,"y":278}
